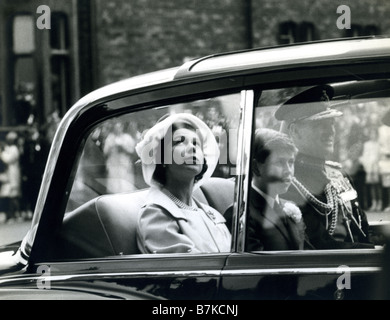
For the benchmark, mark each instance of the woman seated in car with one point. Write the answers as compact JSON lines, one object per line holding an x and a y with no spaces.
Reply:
{"x":273,"y":223}
{"x":178,"y":154}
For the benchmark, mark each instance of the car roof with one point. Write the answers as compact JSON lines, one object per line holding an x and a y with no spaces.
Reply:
{"x":254,"y":59}
{"x":327,"y":50}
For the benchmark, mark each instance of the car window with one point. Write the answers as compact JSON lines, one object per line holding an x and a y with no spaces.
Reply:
{"x":338,"y":185}
{"x":109,"y":187}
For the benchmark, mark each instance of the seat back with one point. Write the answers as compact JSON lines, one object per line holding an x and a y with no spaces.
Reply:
{"x":106,"y":225}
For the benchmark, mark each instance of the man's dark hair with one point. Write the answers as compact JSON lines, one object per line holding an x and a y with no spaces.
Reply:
{"x":268,"y":140}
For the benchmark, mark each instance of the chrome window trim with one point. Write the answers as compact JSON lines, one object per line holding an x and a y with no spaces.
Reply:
{"x":301,"y":271}
{"x":201,"y":273}
{"x":243,"y":166}
{"x":111,"y":275}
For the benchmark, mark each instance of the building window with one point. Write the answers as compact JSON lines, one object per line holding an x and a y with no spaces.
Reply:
{"x":59,"y":33}
{"x":59,"y":66}
{"x":287,"y":32}
{"x":59,"y":63}
{"x":306,"y":32}
{"x":23,"y":35}
{"x":371,"y":30}
{"x":24,"y":69}
{"x":358,"y":30}
{"x":291,"y":32}
{"x":24,"y":79}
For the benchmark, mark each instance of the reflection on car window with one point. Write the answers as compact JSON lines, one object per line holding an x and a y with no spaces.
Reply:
{"x":110,"y":182}
{"x":341,"y":171}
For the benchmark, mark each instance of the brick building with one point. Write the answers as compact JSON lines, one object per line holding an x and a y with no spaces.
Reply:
{"x":144,"y":35}
{"x":94,"y":42}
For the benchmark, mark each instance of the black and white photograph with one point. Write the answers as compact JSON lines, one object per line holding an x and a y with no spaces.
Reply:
{"x":199,"y":151}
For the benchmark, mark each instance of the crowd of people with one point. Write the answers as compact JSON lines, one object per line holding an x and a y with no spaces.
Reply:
{"x":365,"y":153}
{"x":22,"y":159}
{"x":10,"y":178}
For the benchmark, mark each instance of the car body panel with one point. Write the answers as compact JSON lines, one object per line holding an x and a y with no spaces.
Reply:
{"x":150,"y":276}
{"x":298,"y":275}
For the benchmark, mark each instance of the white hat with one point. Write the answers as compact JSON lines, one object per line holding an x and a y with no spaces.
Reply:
{"x":147,"y":147}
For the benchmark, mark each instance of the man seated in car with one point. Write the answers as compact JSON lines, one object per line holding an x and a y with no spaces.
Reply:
{"x":273,"y":223}
{"x":324,"y":193}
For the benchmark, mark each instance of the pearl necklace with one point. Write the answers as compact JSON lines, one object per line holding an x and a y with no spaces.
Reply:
{"x":180,"y":203}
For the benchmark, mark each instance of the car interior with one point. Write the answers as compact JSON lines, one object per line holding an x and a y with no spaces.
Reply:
{"x":112,"y":220}
{"x":108,"y":193}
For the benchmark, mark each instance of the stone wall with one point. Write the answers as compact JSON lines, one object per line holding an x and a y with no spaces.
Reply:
{"x":268,"y":14}
{"x":145,"y":35}
{"x":138,"y":36}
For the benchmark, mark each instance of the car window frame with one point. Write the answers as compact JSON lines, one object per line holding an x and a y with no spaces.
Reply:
{"x":264,"y":81}
{"x":112,"y":109}
{"x":140,"y":100}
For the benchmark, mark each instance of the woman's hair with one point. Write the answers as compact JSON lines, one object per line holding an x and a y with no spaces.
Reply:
{"x":159,"y":174}
{"x":267,"y":140}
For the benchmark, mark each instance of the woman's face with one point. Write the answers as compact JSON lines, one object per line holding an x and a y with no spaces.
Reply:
{"x":187,"y":154}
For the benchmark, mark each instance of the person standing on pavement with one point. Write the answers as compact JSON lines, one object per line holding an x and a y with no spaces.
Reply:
{"x":384,"y":159}
{"x":10,"y":179}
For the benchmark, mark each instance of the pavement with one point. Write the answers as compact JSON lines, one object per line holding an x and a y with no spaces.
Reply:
{"x":12,"y":231}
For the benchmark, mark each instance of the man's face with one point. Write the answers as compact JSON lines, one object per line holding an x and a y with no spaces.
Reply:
{"x":276,"y":172}
{"x":315,"y":138}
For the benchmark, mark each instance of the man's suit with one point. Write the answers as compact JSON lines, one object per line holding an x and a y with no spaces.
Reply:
{"x":270,"y":228}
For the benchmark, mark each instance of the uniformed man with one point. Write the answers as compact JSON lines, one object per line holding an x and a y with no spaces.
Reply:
{"x":324,"y":193}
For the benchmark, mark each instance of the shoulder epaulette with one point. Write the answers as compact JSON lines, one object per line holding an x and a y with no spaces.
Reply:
{"x":333,"y":164}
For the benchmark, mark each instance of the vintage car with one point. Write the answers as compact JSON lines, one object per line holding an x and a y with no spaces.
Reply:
{"x":82,"y":241}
